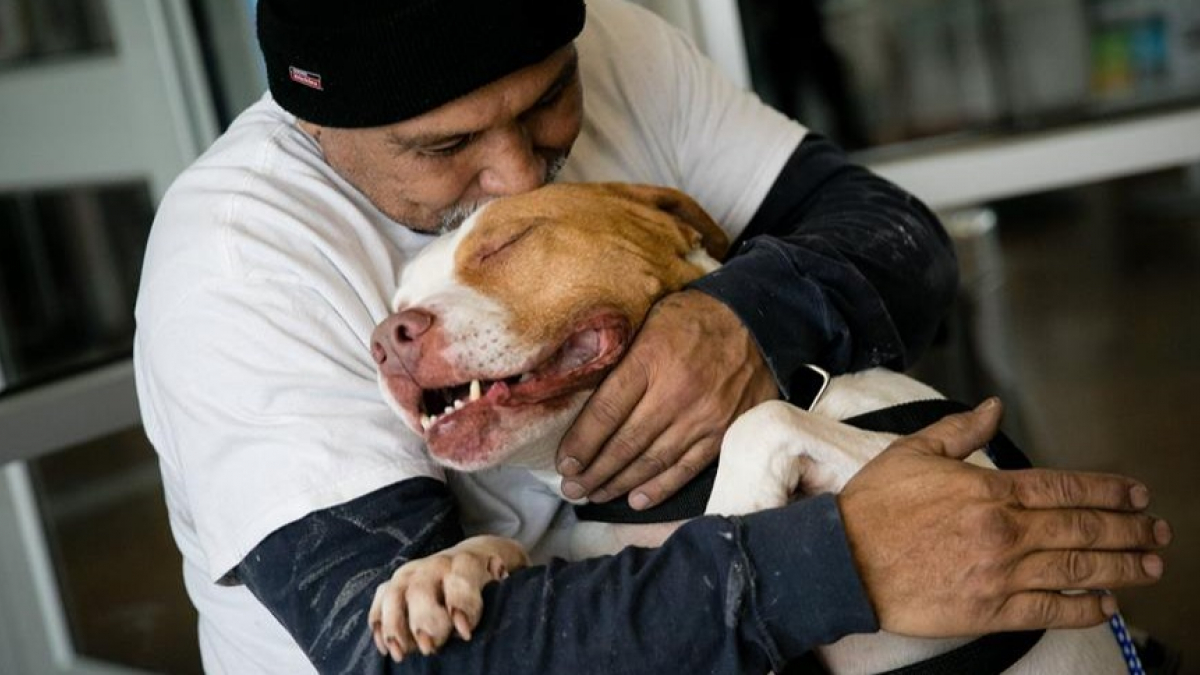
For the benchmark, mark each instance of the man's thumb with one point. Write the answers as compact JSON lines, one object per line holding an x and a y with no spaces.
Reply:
{"x":956,"y":436}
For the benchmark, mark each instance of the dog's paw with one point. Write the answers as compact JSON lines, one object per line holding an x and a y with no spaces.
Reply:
{"x":426,"y":600}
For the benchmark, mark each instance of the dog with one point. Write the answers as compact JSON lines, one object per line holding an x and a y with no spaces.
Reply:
{"x":503,"y":328}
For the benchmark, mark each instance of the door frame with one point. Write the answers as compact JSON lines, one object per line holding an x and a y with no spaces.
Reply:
{"x":143,"y":112}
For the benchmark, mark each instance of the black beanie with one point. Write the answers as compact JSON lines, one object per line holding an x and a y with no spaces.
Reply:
{"x":365,"y":63}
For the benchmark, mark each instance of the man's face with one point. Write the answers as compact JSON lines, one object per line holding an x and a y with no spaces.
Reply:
{"x":428,"y":173}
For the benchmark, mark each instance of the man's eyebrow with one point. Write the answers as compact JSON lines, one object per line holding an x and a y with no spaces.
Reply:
{"x":431,"y":139}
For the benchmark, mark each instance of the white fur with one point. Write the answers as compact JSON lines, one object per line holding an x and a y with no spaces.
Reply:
{"x":700,"y":258}
{"x":776,"y":446}
{"x":476,"y":326}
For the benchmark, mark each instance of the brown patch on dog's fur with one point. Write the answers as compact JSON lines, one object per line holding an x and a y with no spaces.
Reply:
{"x":585,"y":245}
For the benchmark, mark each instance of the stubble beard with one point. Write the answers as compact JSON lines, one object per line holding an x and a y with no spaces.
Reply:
{"x":453,"y":217}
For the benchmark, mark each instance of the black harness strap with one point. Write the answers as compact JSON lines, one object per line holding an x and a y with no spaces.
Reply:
{"x":909,"y":418}
{"x":806,"y":386}
{"x":906,"y":418}
{"x":987,"y":655}
{"x":990,"y":654}
{"x":689,"y":502}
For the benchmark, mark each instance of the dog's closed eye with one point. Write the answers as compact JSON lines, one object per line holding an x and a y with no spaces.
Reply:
{"x":493,"y":245}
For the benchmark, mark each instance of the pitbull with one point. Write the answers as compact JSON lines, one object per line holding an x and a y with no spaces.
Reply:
{"x":502,"y":329}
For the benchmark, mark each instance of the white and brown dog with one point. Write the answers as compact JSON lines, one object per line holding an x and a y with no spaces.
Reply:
{"x":503,"y":328}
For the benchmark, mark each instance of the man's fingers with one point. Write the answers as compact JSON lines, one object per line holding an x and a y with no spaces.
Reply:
{"x":649,"y":483}
{"x":605,"y":412}
{"x":1084,"y":570}
{"x":624,"y":450}
{"x":1050,"y":609}
{"x":958,"y":435}
{"x":1048,"y":489}
{"x":1065,"y":529}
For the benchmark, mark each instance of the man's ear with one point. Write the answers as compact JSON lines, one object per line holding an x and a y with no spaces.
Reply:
{"x":685,"y":210}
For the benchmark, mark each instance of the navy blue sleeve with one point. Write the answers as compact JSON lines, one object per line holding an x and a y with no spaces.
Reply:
{"x":838,"y":268}
{"x":722,"y":595}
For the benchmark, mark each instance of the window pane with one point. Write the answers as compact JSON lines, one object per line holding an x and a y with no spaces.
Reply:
{"x":874,"y":72}
{"x":69,"y":266}
{"x":33,"y":31}
{"x":117,"y":566}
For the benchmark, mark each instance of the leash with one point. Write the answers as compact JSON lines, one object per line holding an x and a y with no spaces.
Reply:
{"x":1128,"y":651}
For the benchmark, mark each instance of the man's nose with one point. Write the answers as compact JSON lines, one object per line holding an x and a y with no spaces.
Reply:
{"x":396,"y":342}
{"x":513,"y":166}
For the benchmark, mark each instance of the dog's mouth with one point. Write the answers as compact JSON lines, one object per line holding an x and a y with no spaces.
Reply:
{"x":436,"y":404}
{"x":578,"y":363}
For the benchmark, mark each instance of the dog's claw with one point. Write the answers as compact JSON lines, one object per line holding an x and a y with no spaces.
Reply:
{"x":497,"y":568}
{"x":378,"y":639}
{"x":462,"y":626}
{"x":428,"y":600}
{"x":425,"y":643}
{"x":394,"y":650}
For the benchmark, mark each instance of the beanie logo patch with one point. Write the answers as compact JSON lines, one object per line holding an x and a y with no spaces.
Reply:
{"x":306,"y":78}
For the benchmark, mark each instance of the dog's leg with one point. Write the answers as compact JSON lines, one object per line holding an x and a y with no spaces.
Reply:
{"x":775,"y":450}
{"x":426,"y":599}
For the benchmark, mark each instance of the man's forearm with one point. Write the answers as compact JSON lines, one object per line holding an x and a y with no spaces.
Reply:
{"x":721,"y":595}
{"x":839,"y":268}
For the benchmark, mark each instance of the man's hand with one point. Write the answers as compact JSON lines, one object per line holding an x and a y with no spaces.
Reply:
{"x":945,"y":548}
{"x":658,"y":418}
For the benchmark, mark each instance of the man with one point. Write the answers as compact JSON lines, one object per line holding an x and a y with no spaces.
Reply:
{"x":293,"y":491}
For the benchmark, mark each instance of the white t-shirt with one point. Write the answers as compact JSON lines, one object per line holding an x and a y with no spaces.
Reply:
{"x":266,"y":273}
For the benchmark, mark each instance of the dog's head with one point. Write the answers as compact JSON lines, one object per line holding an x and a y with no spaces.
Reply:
{"x":503,"y":328}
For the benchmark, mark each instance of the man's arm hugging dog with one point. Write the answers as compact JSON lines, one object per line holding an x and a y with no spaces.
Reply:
{"x":295,"y":490}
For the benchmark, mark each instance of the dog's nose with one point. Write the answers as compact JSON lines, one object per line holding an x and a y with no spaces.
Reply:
{"x":397,"y":334}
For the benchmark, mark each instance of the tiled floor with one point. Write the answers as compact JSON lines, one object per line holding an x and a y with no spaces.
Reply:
{"x":1100,"y":288}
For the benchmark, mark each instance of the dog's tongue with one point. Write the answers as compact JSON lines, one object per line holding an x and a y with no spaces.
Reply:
{"x":497,"y":393}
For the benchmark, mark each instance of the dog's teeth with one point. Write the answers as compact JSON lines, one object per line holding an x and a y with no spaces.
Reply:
{"x":458,"y":404}
{"x":476,"y":391}
{"x":426,"y":422}
{"x":449,"y":409}
{"x":524,"y":377}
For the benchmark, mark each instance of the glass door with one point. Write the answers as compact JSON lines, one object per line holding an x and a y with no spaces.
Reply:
{"x":103,"y":102}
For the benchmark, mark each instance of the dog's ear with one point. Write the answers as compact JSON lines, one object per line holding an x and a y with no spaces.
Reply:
{"x":686,"y":211}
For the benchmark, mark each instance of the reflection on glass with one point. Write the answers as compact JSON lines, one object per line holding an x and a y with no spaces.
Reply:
{"x":33,"y":30}
{"x":69,"y":266}
{"x":117,"y":567}
{"x":875,"y":72}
